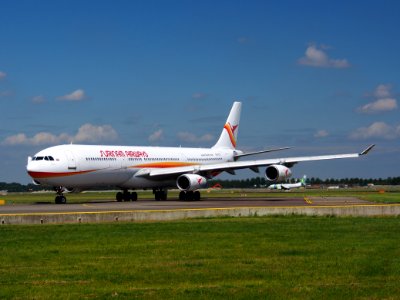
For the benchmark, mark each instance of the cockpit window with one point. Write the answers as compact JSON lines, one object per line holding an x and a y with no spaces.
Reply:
{"x":48,"y":158}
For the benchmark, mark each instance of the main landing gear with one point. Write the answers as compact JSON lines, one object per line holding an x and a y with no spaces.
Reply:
{"x":160,"y":194}
{"x":126,"y":196}
{"x":189,"y":196}
{"x":60,"y":198}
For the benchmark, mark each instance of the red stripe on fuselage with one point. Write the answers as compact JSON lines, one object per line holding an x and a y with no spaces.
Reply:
{"x":56,"y":174}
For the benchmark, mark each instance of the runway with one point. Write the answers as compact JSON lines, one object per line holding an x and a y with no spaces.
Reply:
{"x":151,"y":210}
{"x":151,"y":205}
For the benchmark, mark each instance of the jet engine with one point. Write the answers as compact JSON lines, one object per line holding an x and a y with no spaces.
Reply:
{"x":191,"y":182}
{"x":277,"y":173}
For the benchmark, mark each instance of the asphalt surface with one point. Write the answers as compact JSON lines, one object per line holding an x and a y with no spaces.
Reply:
{"x":152,"y":205}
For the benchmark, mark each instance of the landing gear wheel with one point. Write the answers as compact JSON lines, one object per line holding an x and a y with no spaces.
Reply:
{"x":119,"y":197}
{"x":60,"y":199}
{"x":160,"y":195}
{"x":133,"y":196}
{"x":189,"y":196}
{"x":126,"y":196}
{"x":157,"y":196}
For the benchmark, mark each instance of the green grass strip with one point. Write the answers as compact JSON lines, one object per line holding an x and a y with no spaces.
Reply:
{"x":292,"y":257}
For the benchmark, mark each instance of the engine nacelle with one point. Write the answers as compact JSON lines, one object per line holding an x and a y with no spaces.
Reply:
{"x":191,"y":182}
{"x":277,"y":173}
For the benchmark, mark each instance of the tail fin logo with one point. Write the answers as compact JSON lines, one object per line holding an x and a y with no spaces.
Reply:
{"x":231,"y":132}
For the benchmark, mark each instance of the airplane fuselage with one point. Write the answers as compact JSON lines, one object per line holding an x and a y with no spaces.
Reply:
{"x":285,"y":186}
{"x":82,"y":166}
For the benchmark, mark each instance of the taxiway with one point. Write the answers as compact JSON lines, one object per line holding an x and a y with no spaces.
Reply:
{"x":103,"y":206}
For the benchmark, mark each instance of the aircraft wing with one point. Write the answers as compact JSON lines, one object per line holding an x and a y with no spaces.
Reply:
{"x":230,"y":167}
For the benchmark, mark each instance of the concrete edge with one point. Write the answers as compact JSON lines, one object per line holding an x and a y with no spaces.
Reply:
{"x":169,"y":215}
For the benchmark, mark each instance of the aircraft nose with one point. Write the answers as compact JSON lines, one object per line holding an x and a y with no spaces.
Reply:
{"x":32,"y":171}
{"x":32,"y":168}
{"x":29,"y":164}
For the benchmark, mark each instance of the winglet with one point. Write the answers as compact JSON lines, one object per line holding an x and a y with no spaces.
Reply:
{"x":367,"y":150}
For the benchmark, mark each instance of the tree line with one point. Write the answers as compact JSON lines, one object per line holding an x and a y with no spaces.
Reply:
{"x":261,"y":182}
{"x":255,"y":182}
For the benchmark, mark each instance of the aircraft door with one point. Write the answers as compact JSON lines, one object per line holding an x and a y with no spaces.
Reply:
{"x":71,"y":160}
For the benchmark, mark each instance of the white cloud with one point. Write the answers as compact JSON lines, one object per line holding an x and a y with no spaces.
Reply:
{"x":242,"y":40}
{"x":2,"y":75}
{"x":321,"y":134}
{"x":38,"y":99}
{"x":199,"y":96}
{"x":18,"y":139}
{"x":380,"y":105}
{"x":77,"y":95}
{"x":384,"y":101}
{"x":315,"y":57}
{"x":382,"y":91}
{"x":4,"y":94}
{"x":87,"y":133}
{"x":92,"y":133}
{"x":192,"y":138}
{"x":41,"y":138}
{"x":156,"y":136}
{"x":378,"y":130}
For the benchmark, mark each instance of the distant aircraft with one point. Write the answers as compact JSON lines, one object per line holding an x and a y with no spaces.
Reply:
{"x":288,"y":186}
{"x":78,"y":167}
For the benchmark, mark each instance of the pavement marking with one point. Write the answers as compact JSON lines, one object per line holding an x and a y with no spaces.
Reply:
{"x":194,"y":209}
{"x":308,"y":200}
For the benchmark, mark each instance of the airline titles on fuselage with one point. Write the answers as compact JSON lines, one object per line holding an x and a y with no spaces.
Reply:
{"x":140,"y":155}
{"x":119,"y":153}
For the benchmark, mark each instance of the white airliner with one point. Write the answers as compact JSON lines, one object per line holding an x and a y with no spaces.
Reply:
{"x":288,"y":186}
{"x":78,"y":167}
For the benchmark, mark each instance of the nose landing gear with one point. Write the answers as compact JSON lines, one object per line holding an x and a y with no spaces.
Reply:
{"x":60,"y":198}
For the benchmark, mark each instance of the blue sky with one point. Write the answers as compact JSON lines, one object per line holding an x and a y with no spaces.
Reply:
{"x":320,"y":76}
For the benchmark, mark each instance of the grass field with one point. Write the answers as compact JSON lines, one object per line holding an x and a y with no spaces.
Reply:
{"x":292,"y":257}
{"x":378,"y":194}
